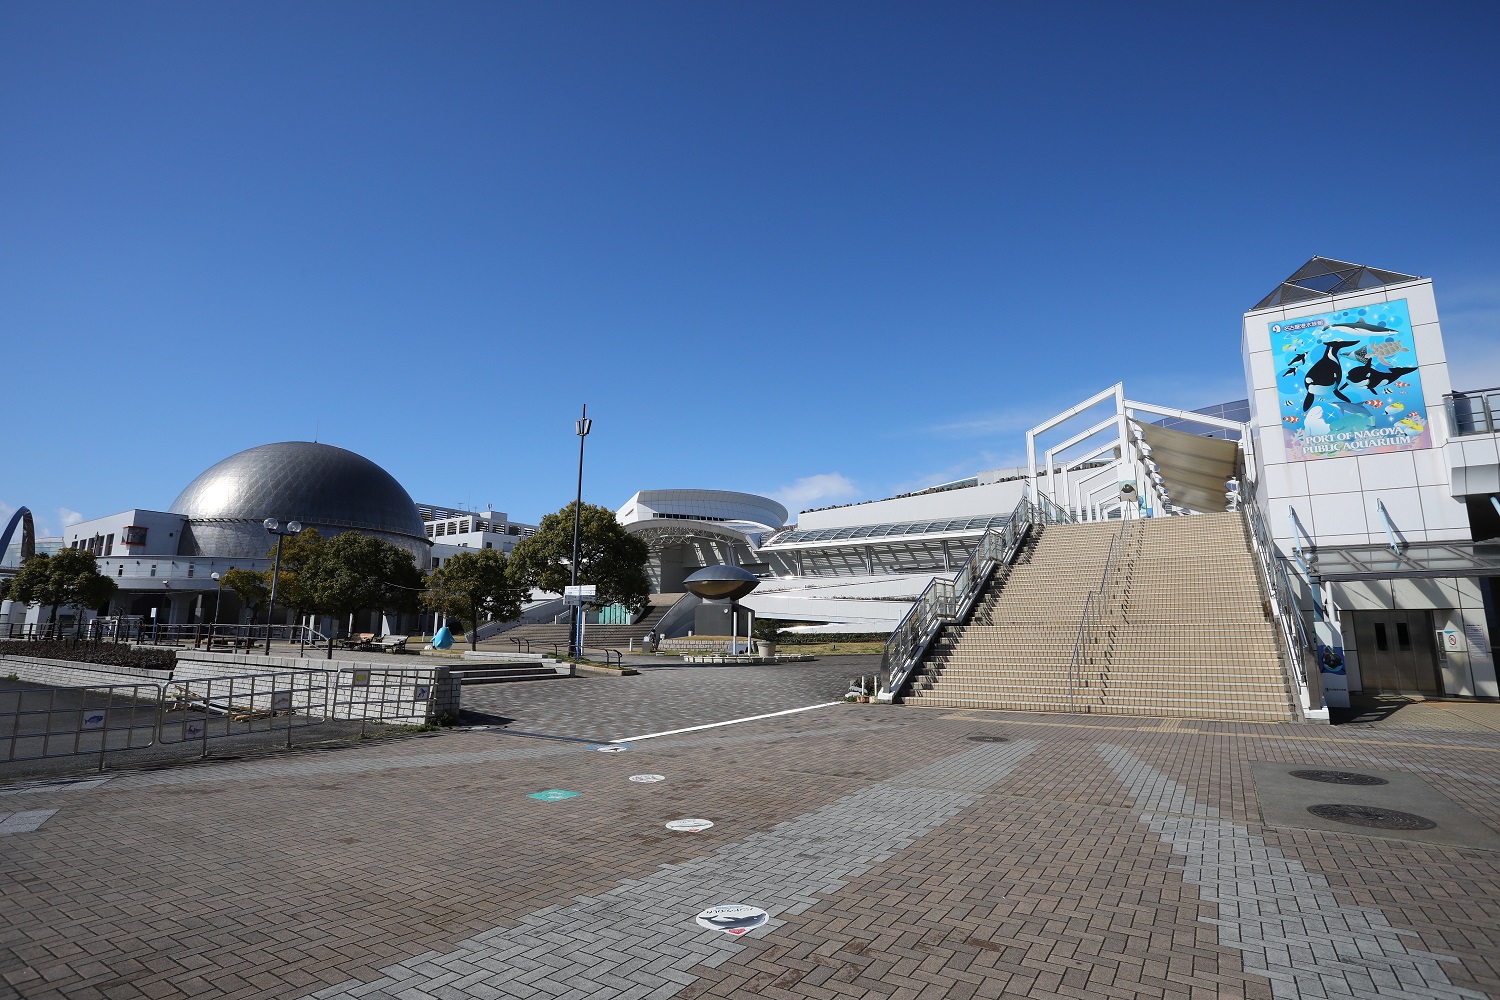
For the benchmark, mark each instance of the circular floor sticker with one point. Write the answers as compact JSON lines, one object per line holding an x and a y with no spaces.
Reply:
{"x":646,"y":779}
{"x":609,"y":748}
{"x":689,"y":825}
{"x":733,"y":919}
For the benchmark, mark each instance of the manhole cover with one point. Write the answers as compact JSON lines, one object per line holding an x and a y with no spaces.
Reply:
{"x":1340,"y":777}
{"x":1371,"y":816}
{"x":990,"y":739}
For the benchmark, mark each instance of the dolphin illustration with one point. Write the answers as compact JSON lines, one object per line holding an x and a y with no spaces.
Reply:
{"x":1327,"y":372}
{"x":1362,"y":325}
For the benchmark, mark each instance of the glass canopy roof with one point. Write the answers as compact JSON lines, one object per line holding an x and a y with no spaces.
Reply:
{"x":1323,"y":276}
{"x":964,"y":525}
{"x":1420,"y":560}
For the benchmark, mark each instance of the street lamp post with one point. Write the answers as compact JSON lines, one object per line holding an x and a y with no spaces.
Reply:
{"x":583,"y":426}
{"x":213,"y":629}
{"x":274,"y":527}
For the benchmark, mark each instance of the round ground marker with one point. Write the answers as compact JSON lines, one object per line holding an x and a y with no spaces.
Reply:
{"x":647,"y":779}
{"x":609,"y":748}
{"x":689,"y":825}
{"x":733,"y":918}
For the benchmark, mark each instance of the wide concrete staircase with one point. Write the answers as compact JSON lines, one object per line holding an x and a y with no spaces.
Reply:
{"x":598,"y":636}
{"x":1181,"y":628}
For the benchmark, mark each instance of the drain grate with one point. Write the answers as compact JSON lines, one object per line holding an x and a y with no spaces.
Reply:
{"x":990,"y":739}
{"x":1340,"y":777}
{"x":1372,"y":816}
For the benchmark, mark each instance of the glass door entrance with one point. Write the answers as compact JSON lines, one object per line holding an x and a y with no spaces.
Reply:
{"x":1397,"y":652}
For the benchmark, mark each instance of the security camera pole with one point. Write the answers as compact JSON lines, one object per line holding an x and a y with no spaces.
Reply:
{"x":583,"y":426}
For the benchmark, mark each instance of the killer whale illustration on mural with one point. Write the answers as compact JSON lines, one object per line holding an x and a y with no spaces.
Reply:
{"x":1327,"y":372}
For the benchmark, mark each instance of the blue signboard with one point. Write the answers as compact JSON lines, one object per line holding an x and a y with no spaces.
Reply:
{"x":1348,"y":383}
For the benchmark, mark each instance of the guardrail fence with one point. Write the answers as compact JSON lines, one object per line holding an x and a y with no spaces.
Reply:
{"x":66,"y":722}
{"x":217,"y":707}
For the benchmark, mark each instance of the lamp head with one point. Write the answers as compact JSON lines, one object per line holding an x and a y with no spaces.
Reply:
{"x":294,"y":527}
{"x":271,"y":524}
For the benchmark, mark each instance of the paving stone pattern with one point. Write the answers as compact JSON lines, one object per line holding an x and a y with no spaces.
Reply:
{"x":1084,"y":858}
{"x":665,"y":697}
{"x":1282,"y":918}
{"x":640,"y":940}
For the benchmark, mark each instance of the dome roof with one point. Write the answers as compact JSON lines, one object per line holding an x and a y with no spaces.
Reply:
{"x":317,"y":484}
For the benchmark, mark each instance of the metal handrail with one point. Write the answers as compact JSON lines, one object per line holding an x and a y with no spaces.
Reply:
{"x":1476,"y":412}
{"x":1088,"y":622}
{"x":1271,"y":568}
{"x":951,"y":600}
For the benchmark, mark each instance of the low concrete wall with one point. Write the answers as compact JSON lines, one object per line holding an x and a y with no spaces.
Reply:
{"x":398,"y":688}
{"x":69,"y":673}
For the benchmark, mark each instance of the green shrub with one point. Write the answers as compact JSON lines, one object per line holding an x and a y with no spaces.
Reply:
{"x":111,"y":654}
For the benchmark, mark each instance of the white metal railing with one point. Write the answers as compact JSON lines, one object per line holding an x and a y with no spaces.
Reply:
{"x":210,"y":708}
{"x":1476,"y":412}
{"x":1271,"y":567}
{"x":1093,"y":614}
{"x":947,"y":601}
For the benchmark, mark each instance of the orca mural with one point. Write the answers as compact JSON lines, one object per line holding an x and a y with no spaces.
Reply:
{"x":1349,"y":383}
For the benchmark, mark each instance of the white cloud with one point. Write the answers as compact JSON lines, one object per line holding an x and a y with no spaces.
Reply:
{"x":68,"y":517}
{"x":824,"y":487}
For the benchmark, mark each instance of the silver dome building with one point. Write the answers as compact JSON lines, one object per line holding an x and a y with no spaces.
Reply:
{"x":327,"y":488}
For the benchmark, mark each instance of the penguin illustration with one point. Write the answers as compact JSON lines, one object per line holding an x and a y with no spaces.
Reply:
{"x":1292,"y":365}
{"x":1327,"y":372}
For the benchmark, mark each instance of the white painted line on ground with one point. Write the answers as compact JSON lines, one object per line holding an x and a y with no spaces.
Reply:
{"x":728,"y":722}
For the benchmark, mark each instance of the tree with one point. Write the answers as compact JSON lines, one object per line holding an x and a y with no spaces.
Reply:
{"x":474,"y":588}
{"x":352,"y":572}
{"x":253,"y":588}
{"x":297,"y":553}
{"x":69,"y":578}
{"x":608,"y":557}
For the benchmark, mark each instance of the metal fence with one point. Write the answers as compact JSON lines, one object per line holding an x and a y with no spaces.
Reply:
{"x":209,"y":708}
{"x":66,"y":722}
{"x":151,"y":633}
{"x":100,"y":719}
{"x":384,"y":694}
{"x":1476,"y":412}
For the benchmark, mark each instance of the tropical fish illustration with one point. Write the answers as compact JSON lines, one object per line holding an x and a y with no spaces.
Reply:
{"x":1414,"y":422}
{"x":1291,"y":418}
{"x":1288,"y":402}
{"x":1394,"y":408}
{"x":1403,"y":385}
{"x":1374,"y":402}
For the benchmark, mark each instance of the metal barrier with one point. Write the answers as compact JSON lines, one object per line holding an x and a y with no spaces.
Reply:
{"x":1093,"y":615}
{"x":384,"y":694}
{"x":73,"y":721}
{"x":217,"y":707}
{"x":947,"y":601}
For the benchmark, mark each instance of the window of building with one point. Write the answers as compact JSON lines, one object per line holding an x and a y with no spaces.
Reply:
{"x":120,"y":571}
{"x":489,"y":545}
{"x":463,"y":527}
{"x":153,"y":569}
{"x":109,"y":544}
{"x":192,"y":569}
{"x":134,"y":535}
{"x":430,"y":531}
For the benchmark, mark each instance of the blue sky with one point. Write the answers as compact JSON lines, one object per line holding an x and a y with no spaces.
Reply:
{"x":824,"y":251}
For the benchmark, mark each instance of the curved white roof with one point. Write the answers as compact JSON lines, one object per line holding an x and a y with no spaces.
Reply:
{"x":742,"y":509}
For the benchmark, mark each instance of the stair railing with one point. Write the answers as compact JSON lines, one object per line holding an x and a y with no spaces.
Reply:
{"x":945,"y":601}
{"x":1091,"y":620}
{"x":1271,"y":568}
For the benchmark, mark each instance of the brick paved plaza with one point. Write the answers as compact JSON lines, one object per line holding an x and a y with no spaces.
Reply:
{"x":899,"y":852}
